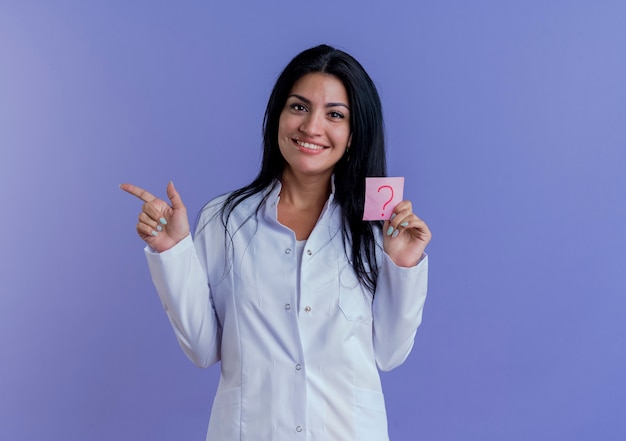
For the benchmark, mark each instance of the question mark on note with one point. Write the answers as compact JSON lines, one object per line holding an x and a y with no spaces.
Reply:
{"x":388,"y":200}
{"x":381,"y":193}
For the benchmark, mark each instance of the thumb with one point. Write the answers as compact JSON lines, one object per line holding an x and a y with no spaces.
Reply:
{"x":172,"y":194}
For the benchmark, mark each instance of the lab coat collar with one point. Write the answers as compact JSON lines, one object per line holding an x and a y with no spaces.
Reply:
{"x":273,"y":196}
{"x":329,"y":220}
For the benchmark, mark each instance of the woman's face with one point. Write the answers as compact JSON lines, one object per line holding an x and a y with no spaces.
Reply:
{"x":314,"y":125}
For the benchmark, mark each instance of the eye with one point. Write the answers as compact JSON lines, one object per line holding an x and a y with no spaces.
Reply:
{"x":336,"y":115}
{"x":297,"y":106}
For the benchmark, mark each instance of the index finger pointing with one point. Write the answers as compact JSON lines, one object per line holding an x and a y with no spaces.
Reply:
{"x":142,"y":194}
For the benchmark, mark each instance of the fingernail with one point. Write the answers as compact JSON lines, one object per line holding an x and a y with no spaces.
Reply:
{"x":395,"y":233}
{"x":404,"y":224}
{"x":159,"y":228}
{"x":392,"y":216}
{"x":154,"y":233}
{"x":389,"y":231}
{"x":163,"y":221}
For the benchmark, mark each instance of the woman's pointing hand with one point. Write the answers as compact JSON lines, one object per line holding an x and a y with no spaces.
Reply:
{"x":161,"y":225}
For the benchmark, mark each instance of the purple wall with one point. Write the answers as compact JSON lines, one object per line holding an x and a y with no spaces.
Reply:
{"x":508,"y":120}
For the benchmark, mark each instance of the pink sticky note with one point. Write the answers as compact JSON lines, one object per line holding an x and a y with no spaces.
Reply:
{"x":381,"y":197}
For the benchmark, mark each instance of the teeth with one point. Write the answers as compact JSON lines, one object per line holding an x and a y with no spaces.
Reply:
{"x":310,"y":146}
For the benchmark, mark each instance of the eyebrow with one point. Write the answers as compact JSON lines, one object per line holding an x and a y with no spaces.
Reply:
{"x":308,"y":101}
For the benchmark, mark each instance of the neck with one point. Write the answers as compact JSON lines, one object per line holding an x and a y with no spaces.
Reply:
{"x":304,"y":191}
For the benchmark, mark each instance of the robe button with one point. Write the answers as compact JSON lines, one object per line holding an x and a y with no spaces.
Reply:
{"x":309,"y":252}
{"x":298,"y":428}
{"x":298,"y":367}
{"x":287,"y":306}
{"x":287,"y":250}
{"x":307,"y":308}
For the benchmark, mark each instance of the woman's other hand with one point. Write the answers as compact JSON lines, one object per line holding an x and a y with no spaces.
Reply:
{"x":405,"y":236}
{"x":160,"y":224}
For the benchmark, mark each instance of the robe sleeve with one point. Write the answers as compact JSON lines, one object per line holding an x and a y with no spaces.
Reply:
{"x":397,"y":310}
{"x":181,"y":282}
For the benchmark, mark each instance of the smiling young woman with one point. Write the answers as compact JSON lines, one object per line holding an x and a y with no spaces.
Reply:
{"x":314,"y":126}
{"x":313,"y":135}
{"x":284,"y":283}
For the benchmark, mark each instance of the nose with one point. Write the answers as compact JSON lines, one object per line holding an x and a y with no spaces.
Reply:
{"x":312,"y":124}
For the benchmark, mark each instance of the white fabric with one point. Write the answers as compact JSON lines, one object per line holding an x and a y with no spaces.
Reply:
{"x":290,"y":370}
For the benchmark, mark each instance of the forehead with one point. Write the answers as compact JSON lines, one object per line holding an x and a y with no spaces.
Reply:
{"x":321,"y":87}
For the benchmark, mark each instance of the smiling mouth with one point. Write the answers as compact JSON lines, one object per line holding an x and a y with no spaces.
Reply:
{"x":308,"y":145}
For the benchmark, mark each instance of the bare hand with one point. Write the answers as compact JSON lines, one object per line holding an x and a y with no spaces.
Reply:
{"x":160,"y":225}
{"x":405,"y":236}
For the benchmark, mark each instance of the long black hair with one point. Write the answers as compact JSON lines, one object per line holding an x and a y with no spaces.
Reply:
{"x":366,"y":156}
